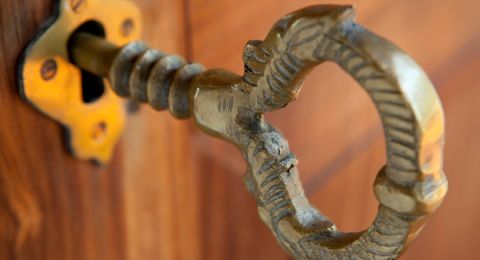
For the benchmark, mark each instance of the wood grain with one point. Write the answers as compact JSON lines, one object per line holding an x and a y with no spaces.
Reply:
{"x":160,"y":186}
{"x":141,"y":206}
{"x":45,"y":193}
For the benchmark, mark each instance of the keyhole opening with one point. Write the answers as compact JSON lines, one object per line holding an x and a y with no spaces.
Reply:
{"x":93,"y":86}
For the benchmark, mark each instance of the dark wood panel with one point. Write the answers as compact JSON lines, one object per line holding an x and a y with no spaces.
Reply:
{"x":143,"y":205}
{"x":52,"y":205}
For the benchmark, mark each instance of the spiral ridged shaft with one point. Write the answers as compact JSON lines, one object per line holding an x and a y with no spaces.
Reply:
{"x":138,"y":72}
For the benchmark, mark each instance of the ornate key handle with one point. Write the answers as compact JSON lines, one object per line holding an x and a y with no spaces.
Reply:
{"x":409,"y":187}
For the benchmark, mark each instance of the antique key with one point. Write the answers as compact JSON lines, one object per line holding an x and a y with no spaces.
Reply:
{"x":409,"y":187}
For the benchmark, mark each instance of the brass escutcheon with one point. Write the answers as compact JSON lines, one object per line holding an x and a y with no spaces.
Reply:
{"x":53,"y":85}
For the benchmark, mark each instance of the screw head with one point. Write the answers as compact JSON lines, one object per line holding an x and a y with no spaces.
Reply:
{"x":127,"y":27}
{"x":49,"y":69}
{"x":99,"y":131}
{"x":77,"y":5}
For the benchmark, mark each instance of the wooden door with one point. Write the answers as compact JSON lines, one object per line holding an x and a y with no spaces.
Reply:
{"x":143,"y":205}
{"x":171,"y":192}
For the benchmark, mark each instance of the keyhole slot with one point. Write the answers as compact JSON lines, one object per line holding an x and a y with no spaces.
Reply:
{"x":93,"y":86}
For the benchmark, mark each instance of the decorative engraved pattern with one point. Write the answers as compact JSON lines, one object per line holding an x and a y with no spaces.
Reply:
{"x":409,"y":187}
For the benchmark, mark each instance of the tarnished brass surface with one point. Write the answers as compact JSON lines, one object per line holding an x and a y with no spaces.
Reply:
{"x":51,"y":83}
{"x":409,"y":187}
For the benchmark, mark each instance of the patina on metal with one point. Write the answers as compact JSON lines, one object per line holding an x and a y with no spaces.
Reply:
{"x":409,"y":187}
{"x":53,"y":85}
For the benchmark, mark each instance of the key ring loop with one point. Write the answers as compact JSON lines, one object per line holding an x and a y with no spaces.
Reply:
{"x":409,"y":187}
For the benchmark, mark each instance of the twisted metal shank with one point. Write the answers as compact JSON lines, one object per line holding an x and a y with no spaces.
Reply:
{"x":148,"y":75}
{"x":135,"y":71}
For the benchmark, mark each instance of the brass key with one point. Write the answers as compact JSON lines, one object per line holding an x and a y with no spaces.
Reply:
{"x":409,"y":187}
